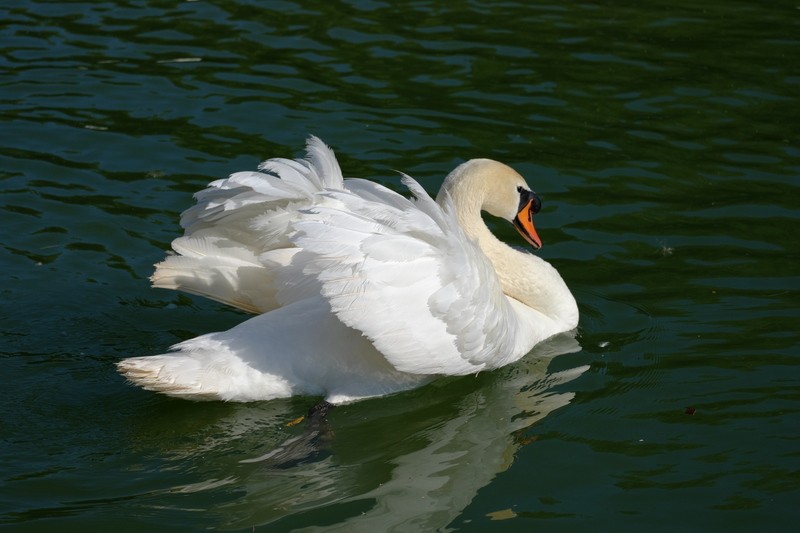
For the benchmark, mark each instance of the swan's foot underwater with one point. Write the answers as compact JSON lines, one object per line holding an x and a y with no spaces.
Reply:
{"x":312,"y":445}
{"x":318,"y":412}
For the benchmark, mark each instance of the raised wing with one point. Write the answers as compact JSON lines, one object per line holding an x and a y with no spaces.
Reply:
{"x":236,"y":234}
{"x":405,"y":274}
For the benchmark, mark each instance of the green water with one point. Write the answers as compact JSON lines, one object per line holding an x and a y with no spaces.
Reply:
{"x":662,"y":138}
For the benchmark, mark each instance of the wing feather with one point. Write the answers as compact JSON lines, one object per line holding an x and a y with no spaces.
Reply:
{"x":405,"y":274}
{"x":235,"y":224}
{"x":400,"y":270}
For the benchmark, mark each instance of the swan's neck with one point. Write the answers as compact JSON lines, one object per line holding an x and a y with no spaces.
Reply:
{"x":524,"y":276}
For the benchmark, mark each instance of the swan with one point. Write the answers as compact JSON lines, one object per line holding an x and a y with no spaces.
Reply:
{"x":358,"y":291}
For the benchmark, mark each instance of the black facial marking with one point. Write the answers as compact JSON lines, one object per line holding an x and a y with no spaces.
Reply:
{"x":526,"y":196}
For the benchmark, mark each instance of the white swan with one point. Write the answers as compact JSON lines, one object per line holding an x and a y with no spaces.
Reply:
{"x":361,"y":291}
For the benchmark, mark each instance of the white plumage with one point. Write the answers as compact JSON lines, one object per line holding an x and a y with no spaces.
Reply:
{"x":359,"y":291}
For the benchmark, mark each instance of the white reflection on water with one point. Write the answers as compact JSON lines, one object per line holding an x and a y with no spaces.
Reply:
{"x":424,"y":488}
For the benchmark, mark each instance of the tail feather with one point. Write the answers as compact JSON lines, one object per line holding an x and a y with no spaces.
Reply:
{"x":195,"y":378}
{"x":171,"y":375}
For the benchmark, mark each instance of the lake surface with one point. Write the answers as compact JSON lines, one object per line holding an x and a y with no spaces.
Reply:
{"x":662,"y":138}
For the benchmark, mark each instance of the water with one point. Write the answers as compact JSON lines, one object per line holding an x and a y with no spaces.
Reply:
{"x":663,"y":140}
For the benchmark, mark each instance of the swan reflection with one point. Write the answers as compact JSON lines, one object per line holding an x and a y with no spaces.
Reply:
{"x":397,"y":461}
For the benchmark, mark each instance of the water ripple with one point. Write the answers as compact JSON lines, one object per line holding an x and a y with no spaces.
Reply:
{"x":661,"y":140}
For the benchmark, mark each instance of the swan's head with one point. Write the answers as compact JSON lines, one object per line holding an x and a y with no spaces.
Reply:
{"x":497,"y":189}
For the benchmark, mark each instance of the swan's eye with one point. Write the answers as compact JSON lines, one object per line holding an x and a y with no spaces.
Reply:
{"x":519,"y":189}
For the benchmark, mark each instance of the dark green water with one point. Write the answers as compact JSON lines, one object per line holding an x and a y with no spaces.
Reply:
{"x":662,"y":138}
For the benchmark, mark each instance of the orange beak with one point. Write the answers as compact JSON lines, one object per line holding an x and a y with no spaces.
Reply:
{"x":524,"y":219}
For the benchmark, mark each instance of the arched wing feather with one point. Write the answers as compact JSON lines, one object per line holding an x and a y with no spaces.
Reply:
{"x":405,"y":274}
{"x":241,"y":222}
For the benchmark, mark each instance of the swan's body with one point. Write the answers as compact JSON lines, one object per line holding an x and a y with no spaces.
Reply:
{"x":360,"y":291}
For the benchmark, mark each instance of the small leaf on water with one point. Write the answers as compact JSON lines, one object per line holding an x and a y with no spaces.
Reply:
{"x":503,"y":514}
